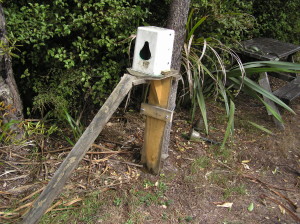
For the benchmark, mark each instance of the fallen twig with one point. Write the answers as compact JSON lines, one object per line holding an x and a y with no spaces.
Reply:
{"x":265,"y":184}
{"x":108,"y":152}
{"x":128,"y":163}
{"x":59,"y":150}
{"x":5,"y":192}
{"x":14,"y":154}
{"x":53,"y":206}
{"x":7,"y":172}
{"x":23,"y":206}
{"x":14,"y":178}
{"x":292,"y":204}
{"x":99,"y":160}
{"x":32,"y":194}
{"x":101,"y":147}
{"x":293,"y":215}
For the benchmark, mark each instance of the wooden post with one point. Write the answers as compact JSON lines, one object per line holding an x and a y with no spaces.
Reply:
{"x":264,"y":82}
{"x":56,"y":184}
{"x":157,"y":130}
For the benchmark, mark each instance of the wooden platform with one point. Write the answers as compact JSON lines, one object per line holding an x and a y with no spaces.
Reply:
{"x":274,"y":50}
{"x":290,"y":91}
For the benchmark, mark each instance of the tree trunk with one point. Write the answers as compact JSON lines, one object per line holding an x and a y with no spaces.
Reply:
{"x":178,"y":14}
{"x":9,"y":93}
{"x":177,"y":19}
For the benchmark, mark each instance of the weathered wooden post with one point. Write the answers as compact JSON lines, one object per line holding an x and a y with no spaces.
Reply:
{"x":152,"y":57}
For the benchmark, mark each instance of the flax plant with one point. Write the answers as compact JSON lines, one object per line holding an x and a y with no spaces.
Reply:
{"x":205,"y":63}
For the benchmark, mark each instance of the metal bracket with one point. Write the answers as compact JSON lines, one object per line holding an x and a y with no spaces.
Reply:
{"x":156,"y":112}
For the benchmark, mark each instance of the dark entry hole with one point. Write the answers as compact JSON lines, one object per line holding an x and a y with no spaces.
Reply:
{"x":145,"y":53}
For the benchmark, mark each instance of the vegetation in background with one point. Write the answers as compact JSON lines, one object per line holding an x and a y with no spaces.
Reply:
{"x":72,"y":51}
{"x":279,"y":19}
{"x":209,"y":73}
{"x":227,"y":21}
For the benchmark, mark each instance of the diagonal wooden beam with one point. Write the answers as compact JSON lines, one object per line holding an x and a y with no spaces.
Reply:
{"x":56,"y":184}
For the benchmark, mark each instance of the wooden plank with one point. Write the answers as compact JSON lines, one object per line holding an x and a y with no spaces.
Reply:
{"x":289,"y":91}
{"x":155,"y":129}
{"x":55,"y":186}
{"x":283,"y":76}
{"x":264,"y":82}
{"x":157,"y":112}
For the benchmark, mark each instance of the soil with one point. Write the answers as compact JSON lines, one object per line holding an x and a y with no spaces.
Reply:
{"x":254,"y":179}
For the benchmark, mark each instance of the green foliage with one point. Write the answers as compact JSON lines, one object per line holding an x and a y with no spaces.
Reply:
{"x":202,"y":162}
{"x":238,"y":189}
{"x":207,"y":72}
{"x":7,"y":128}
{"x":278,"y":19}
{"x":6,"y":132}
{"x":72,"y":51}
{"x":75,"y":126}
{"x":226,"y":21}
{"x":8,"y":47}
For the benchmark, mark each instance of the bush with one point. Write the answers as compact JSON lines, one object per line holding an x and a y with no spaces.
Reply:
{"x":71,"y":51}
{"x":227,"y":21}
{"x":279,"y":19}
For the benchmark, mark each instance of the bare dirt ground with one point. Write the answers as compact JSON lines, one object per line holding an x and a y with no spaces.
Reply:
{"x":254,"y":179}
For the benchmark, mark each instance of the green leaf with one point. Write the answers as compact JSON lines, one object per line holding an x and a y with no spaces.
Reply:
{"x":195,"y":27}
{"x":251,"y":207}
{"x":260,"y":127}
{"x":230,"y":124}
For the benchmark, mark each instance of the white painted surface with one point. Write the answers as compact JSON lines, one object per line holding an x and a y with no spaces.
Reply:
{"x":160,"y":41}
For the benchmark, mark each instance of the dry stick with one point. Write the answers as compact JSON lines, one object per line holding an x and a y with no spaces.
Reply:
{"x":55,"y":205}
{"x":292,"y":204}
{"x":127,"y":163}
{"x":14,"y":178}
{"x":65,"y":170}
{"x":294,"y":216}
{"x":32,"y":194}
{"x":90,"y":170}
{"x":108,"y":152}
{"x":68,"y":148}
{"x":99,"y":160}
{"x":23,"y":206}
{"x":265,"y":184}
{"x":59,"y":150}
{"x":14,"y":154}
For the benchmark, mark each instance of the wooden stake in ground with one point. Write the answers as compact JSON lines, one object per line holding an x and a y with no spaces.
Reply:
{"x":65,"y":170}
{"x":155,"y":124}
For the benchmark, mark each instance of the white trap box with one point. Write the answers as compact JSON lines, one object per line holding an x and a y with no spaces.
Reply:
{"x":153,"y":50}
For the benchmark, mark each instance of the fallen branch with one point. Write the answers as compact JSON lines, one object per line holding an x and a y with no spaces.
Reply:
{"x":32,"y":194}
{"x":293,"y":215}
{"x":14,"y":178}
{"x":5,"y":192}
{"x":128,"y":163}
{"x":292,"y":204}
{"x":108,"y":152}
{"x":265,"y":184}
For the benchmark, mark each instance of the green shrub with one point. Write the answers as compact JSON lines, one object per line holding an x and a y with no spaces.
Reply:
{"x":227,"y":21}
{"x":72,"y":51}
{"x":278,"y":19}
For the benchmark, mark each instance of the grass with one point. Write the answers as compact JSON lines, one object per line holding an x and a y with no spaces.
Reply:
{"x":136,"y":203}
{"x":84,"y":213}
{"x":223,"y":153}
{"x":200,"y":163}
{"x":234,"y":190}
